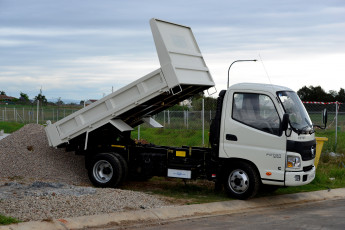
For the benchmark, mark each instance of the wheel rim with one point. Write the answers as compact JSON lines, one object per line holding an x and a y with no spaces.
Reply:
{"x":238,"y":181}
{"x":102,"y":171}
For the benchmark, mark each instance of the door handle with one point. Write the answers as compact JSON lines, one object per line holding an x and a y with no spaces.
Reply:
{"x":230,"y":137}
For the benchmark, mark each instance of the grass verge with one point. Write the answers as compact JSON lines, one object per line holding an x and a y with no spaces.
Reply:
{"x":4,"y":220}
{"x":10,"y":127}
{"x":329,"y":146}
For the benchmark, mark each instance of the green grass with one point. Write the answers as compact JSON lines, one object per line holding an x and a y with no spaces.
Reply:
{"x":4,"y":220}
{"x":10,"y":127}
{"x":329,"y":146}
{"x":172,"y":137}
{"x":179,"y":191}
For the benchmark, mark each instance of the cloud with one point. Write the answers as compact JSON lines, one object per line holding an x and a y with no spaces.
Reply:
{"x":80,"y":49}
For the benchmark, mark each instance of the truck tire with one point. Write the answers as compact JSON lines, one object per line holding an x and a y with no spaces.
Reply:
{"x":105,"y":170}
{"x":124,"y":167}
{"x":242,"y":181}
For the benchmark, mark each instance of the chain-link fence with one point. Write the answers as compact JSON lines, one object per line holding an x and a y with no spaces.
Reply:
{"x":336,"y":113}
{"x":184,"y":119}
{"x":34,"y":115}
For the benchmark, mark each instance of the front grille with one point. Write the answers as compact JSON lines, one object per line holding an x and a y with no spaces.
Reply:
{"x":306,"y":153}
{"x":306,"y":149}
{"x":308,"y":168}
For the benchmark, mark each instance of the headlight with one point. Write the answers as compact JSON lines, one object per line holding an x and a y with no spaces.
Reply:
{"x":293,"y":162}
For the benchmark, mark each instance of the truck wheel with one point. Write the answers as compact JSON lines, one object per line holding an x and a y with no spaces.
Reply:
{"x":242,"y":181}
{"x":105,"y":170}
{"x":124,"y":167}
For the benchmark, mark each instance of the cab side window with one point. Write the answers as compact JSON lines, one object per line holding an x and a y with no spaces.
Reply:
{"x":257,"y":111}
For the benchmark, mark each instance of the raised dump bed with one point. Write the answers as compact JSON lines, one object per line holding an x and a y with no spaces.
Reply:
{"x":183,"y":73}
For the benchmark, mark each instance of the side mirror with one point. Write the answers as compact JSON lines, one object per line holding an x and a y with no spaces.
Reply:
{"x":285,"y":122}
{"x":324,"y":117}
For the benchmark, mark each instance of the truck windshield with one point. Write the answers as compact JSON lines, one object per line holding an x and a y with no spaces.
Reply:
{"x":299,"y":118}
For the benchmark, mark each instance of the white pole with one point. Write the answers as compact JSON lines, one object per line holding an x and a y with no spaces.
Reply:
{"x":168,"y":118}
{"x":203,"y":123}
{"x":38,"y":104}
{"x":187,"y":113}
{"x":336,"y":123}
{"x":138,"y":132}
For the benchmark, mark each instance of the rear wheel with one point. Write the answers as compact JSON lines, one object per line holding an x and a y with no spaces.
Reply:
{"x":105,"y":170}
{"x":124,"y":167}
{"x":242,"y":181}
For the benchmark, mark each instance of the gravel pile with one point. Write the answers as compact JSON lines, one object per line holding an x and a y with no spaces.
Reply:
{"x":38,"y":182}
{"x":26,"y":153}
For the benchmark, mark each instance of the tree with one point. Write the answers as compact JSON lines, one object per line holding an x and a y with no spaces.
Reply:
{"x":41,"y":98}
{"x":341,"y":96}
{"x":312,"y":93}
{"x":2,"y":93}
{"x":24,"y":97}
{"x":59,"y":101}
{"x":210,"y":103}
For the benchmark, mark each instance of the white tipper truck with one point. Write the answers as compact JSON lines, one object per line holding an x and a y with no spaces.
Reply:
{"x":261,"y":135}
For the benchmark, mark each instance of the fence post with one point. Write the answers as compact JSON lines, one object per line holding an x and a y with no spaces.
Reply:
{"x":336,"y":124}
{"x":203,"y":123}
{"x":187,"y":118}
{"x":38,"y":104}
{"x":168,"y":118}
{"x":14,"y":114}
{"x":164,"y":118}
{"x":138,"y":132}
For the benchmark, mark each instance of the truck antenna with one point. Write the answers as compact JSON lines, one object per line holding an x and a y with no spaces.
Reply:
{"x":269,"y":79}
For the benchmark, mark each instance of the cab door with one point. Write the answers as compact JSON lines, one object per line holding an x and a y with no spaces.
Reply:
{"x":251,"y":131}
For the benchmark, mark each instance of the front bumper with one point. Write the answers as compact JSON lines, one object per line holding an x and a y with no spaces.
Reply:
{"x":291,"y":178}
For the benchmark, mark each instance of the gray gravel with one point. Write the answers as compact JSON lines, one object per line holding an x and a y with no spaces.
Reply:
{"x":26,"y":154}
{"x":38,"y":182}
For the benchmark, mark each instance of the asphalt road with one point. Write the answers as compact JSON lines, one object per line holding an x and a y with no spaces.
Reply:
{"x":329,"y":214}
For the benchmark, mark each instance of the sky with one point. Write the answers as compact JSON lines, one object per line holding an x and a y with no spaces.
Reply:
{"x":84,"y":49}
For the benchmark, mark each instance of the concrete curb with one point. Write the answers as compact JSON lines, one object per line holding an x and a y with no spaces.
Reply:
{"x":178,"y":212}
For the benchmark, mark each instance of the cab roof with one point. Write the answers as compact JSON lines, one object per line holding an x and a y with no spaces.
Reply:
{"x":259,"y":87}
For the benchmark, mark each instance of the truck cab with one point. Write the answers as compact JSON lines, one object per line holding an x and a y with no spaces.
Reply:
{"x":252,"y":133}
